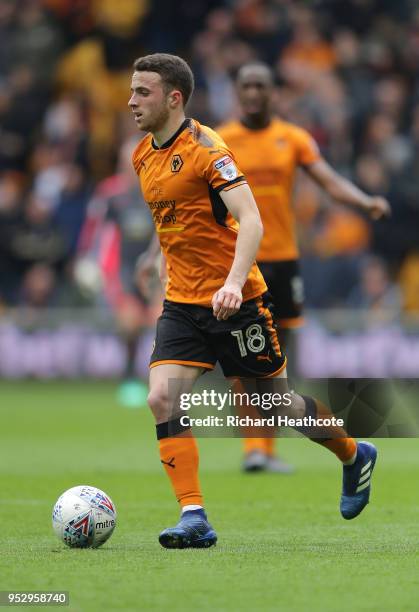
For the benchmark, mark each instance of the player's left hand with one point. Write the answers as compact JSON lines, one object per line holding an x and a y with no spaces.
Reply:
{"x":226,"y":301}
{"x":378,"y":207}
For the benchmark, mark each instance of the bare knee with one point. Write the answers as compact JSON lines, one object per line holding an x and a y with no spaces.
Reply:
{"x":158,"y":401}
{"x":163,"y":396}
{"x":298,"y":406}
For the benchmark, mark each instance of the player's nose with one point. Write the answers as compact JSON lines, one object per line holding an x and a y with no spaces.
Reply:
{"x":131,"y":102}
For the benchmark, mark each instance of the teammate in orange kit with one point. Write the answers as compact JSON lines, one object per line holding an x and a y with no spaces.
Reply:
{"x":216,"y":307}
{"x":269,"y":151}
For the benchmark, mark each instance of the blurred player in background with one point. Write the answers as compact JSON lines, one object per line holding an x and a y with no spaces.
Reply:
{"x":117,"y":230}
{"x":216,"y":306}
{"x":269,"y":151}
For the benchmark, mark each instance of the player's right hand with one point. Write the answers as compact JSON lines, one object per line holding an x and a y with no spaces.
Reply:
{"x":378,"y":207}
{"x":226,"y":301}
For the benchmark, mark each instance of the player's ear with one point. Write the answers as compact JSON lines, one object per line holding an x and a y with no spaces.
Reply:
{"x":175,"y":98}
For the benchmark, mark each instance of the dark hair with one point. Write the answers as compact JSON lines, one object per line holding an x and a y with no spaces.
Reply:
{"x":173,"y":70}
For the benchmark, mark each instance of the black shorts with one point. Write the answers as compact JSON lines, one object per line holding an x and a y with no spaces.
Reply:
{"x":285,"y":285}
{"x":246,"y":344}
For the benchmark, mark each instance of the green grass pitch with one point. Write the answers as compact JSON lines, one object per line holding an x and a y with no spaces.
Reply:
{"x":282,"y":543}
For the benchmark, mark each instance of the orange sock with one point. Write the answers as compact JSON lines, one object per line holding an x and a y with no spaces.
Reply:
{"x":339,"y":442}
{"x":263,"y":445}
{"x":254,"y":444}
{"x":180,"y":457}
{"x":344,"y":448}
{"x":270,"y":446}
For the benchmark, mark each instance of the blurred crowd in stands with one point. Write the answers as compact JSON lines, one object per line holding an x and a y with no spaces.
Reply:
{"x":346,"y":70}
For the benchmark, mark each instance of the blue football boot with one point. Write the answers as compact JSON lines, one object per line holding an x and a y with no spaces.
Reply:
{"x":192,"y":531}
{"x":357,"y":481}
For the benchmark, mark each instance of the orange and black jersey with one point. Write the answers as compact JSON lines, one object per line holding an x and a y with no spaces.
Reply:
{"x":181,"y":182}
{"x":269,"y":158}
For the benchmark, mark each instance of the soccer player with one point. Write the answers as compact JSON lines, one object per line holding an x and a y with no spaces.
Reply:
{"x":216,"y":308}
{"x":269,"y":151}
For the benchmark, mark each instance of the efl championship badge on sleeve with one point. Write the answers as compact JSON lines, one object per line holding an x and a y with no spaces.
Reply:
{"x":226,"y":167}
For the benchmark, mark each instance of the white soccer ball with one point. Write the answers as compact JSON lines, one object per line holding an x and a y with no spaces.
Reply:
{"x":84,"y":517}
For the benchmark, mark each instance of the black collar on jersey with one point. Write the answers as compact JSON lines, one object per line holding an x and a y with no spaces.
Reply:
{"x":186,"y":123}
{"x":256,"y":128}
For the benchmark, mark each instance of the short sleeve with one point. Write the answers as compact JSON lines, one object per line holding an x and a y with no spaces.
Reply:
{"x":306,"y":147}
{"x":219,"y":168}
{"x":138,"y":154}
